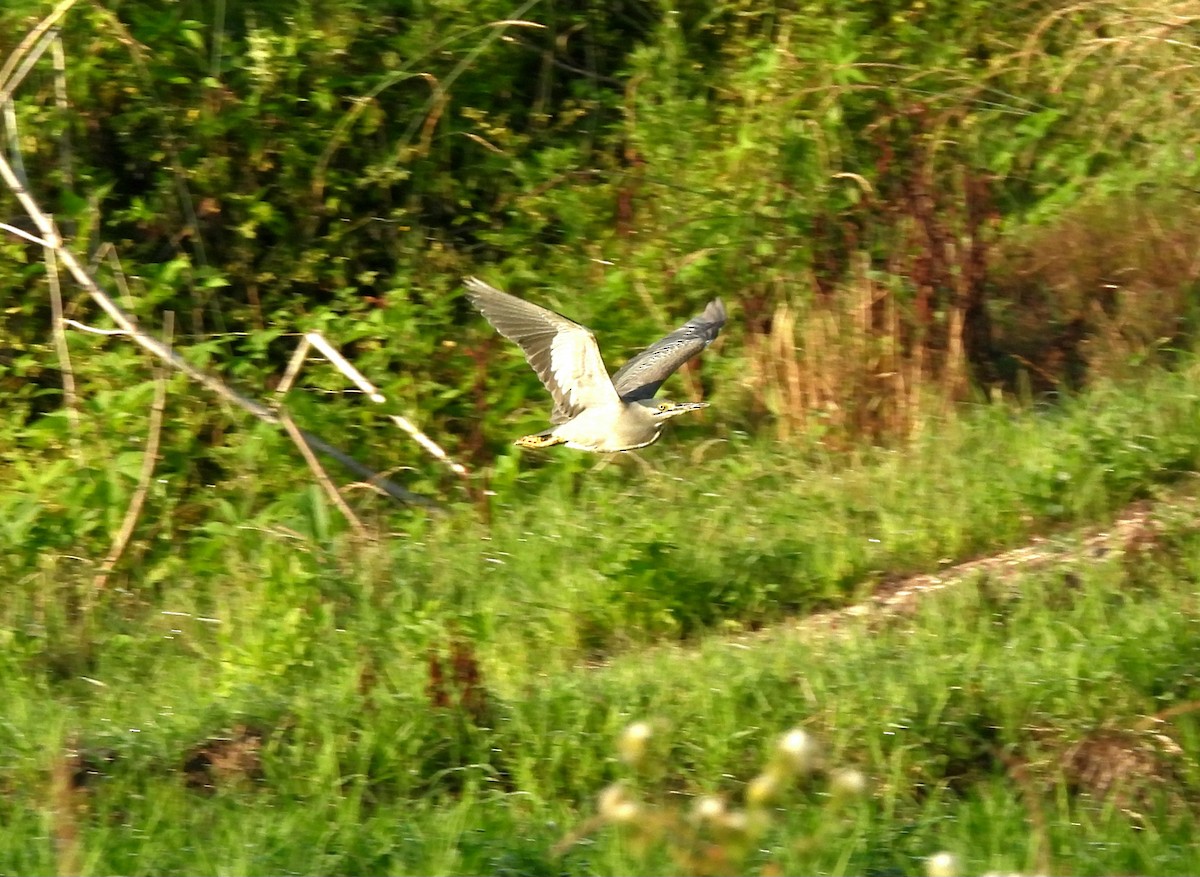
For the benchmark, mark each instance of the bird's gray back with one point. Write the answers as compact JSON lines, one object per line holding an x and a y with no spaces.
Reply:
{"x":641,"y":377}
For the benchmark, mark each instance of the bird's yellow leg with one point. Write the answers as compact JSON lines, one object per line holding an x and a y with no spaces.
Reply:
{"x":538,"y":440}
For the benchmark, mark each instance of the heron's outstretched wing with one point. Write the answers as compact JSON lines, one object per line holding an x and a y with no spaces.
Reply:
{"x":641,"y":377}
{"x":562,"y":352}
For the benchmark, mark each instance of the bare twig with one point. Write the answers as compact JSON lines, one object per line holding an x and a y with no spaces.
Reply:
{"x":149,"y":459}
{"x":18,"y":76}
{"x":322,"y":478}
{"x":57,"y":329}
{"x":93,"y":330}
{"x":7,"y":81}
{"x":62,"y":107}
{"x":50,"y":235}
{"x":32,"y":238}
{"x":70,"y":398}
{"x":106,"y":251}
{"x":11,"y":74}
{"x":356,"y":377}
{"x":427,"y":443}
{"x":315,"y":339}
{"x":294,"y":365}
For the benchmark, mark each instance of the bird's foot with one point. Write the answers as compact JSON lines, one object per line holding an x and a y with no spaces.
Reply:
{"x":538,"y":440}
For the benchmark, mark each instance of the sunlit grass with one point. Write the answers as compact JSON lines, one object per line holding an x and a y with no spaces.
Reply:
{"x":601,"y":596}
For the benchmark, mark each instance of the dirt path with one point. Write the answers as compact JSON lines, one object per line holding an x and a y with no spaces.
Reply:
{"x":1135,"y":529}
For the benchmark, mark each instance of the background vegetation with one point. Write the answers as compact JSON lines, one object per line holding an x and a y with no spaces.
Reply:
{"x":958,"y":242}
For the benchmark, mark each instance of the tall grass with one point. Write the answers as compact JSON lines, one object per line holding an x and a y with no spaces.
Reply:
{"x":270,"y":694}
{"x":1004,"y":720}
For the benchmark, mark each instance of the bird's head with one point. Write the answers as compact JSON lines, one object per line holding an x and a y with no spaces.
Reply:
{"x":665,"y":409}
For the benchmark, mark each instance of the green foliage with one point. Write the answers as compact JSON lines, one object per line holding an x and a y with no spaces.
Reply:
{"x":255,"y":690}
{"x":264,"y":693}
{"x":932,"y":709}
{"x":271,"y":168}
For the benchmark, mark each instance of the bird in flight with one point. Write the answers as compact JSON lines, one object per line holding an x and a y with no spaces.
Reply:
{"x":592,"y":411}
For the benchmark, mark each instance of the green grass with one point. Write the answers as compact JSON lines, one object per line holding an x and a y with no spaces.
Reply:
{"x":255,"y":691}
{"x":262,"y":619}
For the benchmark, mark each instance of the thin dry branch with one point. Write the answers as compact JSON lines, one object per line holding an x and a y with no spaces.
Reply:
{"x":9,"y":81}
{"x":32,"y":238}
{"x":46,"y":42}
{"x":356,"y":377}
{"x":62,"y":106}
{"x":149,"y":460}
{"x":322,"y":478}
{"x":92,"y":330}
{"x":59,"y":332}
{"x":106,"y":252}
{"x":299,"y":355}
{"x":50,"y":236}
{"x":10,"y":130}
{"x":58,"y":329}
{"x":15,"y":68}
{"x":577,"y":835}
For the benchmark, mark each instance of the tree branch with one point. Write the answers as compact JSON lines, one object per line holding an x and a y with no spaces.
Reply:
{"x":51,"y":238}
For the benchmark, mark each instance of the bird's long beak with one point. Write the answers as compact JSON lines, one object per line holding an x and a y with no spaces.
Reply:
{"x":685,"y":407}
